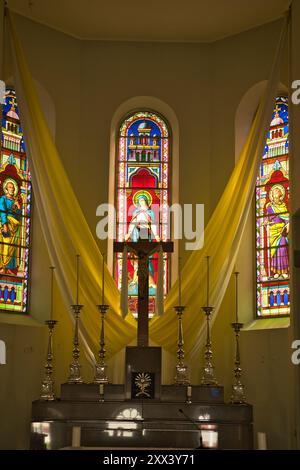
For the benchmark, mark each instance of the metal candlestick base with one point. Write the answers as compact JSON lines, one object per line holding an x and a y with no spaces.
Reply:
{"x":75,"y":366}
{"x":182,"y":374}
{"x":208,"y":376}
{"x":238,"y":389}
{"x":47,"y":389}
{"x":101,"y":367}
{"x":100,"y":376}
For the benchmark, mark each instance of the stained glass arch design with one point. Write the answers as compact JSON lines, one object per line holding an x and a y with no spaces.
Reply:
{"x":272,"y":219}
{"x":142,"y":190}
{"x":15,"y":210}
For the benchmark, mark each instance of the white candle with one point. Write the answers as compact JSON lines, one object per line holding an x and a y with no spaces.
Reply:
{"x":261,"y":441}
{"x":236,"y":297}
{"x":51,"y":301}
{"x":207,"y":284}
{"x":76,"y":436}
{"x":103,"y":279}
{"x":77,"y":278}
{"x":189,"y":391}
{"x":179,"y":281}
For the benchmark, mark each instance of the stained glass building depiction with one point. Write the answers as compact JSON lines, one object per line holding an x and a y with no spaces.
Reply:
{"x":15,"y":211}
{"x":143,"y":174}
{"x":272,"y":219}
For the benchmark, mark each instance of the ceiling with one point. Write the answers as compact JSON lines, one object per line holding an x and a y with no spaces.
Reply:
{"x":151,"y":20}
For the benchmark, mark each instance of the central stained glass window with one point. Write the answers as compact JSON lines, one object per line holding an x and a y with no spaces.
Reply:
{"x":143,"y":175}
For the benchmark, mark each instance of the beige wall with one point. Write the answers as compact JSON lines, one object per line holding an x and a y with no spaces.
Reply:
{"x":203,"y":84}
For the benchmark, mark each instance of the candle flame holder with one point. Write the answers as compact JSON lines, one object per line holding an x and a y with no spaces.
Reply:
{"x":238,"y":389}
{"x":75,"y":366}
{"x":101,"y":367}
{"x":47,"y":389}
{"x":208,"y":375}
{"x":182,"y":375}
{"x":189,"y":394}
{"x":101,"y":392}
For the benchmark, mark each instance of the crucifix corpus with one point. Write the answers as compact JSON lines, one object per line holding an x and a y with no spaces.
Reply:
{"x":143,"y":249}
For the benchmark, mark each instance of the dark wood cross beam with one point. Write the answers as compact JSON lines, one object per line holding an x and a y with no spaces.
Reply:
{"x":143,"y":249}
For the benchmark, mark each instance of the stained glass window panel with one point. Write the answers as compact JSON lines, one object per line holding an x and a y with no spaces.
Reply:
{"x":272,"y":219}
{"x":143,"y":172}
{"x":15,"y":211}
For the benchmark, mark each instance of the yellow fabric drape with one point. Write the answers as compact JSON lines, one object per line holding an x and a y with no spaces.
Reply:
{"x":64,"y":226}
{"x":61,"y":218}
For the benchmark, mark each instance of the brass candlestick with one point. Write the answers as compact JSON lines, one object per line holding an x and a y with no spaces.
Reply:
{"x":75,"y":376}
{"x":47,"y":390}
{"x":182,"y":376}
{"x":238,"y":390}
{"x":101,"y":368}
{"x":208,"y":376}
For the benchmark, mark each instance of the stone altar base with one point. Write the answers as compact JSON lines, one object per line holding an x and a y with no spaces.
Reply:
{"x":137,"y":416}
{"x":141,"y":423}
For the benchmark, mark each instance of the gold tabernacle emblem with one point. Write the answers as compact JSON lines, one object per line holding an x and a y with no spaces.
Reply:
{"x":143,"y":383}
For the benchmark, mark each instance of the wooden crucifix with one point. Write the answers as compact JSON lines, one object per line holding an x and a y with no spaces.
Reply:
{"x":143,"y":249}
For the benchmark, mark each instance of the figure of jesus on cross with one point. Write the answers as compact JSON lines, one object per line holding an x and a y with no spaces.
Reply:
{"x":143,"y":240}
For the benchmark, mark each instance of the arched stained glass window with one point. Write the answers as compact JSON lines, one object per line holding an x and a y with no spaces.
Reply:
{"x":272,"y":219}
{"x":15,"y":211}
{"x":143,"y":175}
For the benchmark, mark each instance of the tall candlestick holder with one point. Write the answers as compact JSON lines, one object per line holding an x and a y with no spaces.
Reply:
{"x":208,"y":376}
{"x":182,"y":375}
{"x":101,"y":367}
{"x":47,"y":389}
{"x":75,"y":366}
{"x":238,"y":389}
